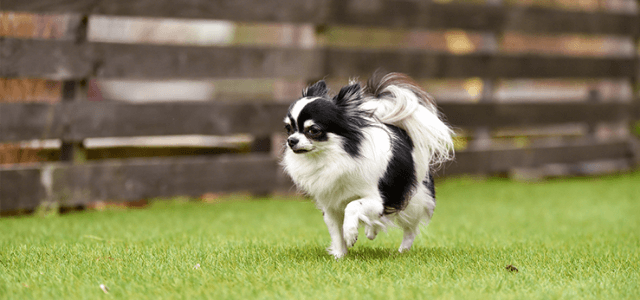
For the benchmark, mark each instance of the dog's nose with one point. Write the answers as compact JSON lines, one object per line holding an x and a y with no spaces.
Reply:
{"x":292,"y":141}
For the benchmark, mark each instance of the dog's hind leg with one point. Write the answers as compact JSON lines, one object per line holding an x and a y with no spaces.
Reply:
{"x":334,"y":219}
{"x":366,"y":210}
{"x":408,"y":238}
{"x":418,"y":211}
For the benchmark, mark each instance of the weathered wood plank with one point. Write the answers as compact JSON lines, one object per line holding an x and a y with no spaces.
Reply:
{"x":68,"y":60}
{"x":496,"y":161}
{"x":76,"y":121}
{"x":58,"y":60}
{"x":79,"y":120}
{"x":419,"y":64}
{"x":138,"y":179}
{"x":31,"y":121}
{"x":20,"y":188}
{"x":134,"y":179}
{"x":532,"y":114}
{"x":404,"y":14}
{"x":422,"y":14}
{"x":543,"y":20}
{"x":299,"y":11}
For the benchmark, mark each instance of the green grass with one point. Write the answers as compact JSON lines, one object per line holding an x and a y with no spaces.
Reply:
{"x":570,"y":239}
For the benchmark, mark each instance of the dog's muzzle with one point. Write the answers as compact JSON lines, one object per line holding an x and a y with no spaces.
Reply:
{"x":294,"y":144}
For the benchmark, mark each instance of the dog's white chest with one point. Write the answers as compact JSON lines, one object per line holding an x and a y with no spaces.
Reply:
{"x":336,"y":178}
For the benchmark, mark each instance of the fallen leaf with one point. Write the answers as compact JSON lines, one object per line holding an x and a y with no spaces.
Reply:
{"x":511,"y":268}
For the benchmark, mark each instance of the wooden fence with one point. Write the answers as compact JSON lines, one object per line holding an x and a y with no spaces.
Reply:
{"x":74,"y":60}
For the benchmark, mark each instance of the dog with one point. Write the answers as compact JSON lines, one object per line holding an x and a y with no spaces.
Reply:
{"x":366,"y":155}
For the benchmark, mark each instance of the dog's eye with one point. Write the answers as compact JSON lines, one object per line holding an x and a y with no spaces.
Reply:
{"x":313,"y":131}
{"x":288,"y":128}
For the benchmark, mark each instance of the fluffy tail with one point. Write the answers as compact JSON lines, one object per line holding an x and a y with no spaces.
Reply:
{"x":401,"y":102}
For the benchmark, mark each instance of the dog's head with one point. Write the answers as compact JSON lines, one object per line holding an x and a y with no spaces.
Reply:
{"x":317,"y":121}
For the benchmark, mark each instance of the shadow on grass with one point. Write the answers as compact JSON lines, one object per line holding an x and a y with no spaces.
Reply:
{"x":440,"y":254}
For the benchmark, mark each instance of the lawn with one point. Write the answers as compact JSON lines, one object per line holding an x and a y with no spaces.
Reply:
{"x":569,"y":239}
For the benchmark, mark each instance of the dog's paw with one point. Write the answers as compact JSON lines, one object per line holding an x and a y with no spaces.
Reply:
{"x":337,"y":253}
{"x":350,"y":236}
{"x":371,"y":231}
{"x":404,"y":249}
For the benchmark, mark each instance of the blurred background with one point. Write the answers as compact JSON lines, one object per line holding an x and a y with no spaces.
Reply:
{"x":130,"y":100}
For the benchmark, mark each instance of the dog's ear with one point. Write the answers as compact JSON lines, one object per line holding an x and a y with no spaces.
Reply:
{"x":318,"y":89}
{"x":349,"y":94}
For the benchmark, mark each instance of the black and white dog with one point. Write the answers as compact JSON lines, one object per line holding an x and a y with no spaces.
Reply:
{"x":366,"y":156}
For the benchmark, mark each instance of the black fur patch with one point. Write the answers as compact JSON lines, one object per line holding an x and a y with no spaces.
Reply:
{"x":332,"y":118}
{"x":318,"y":89}
{"x":429,"y":183}
{"x":292,"y":121}
{"x":399,"y":181}
{"x":350,"y":95}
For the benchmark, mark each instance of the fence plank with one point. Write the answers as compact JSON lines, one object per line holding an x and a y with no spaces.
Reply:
{"x":420,"y":64}
{"x":239,"y":10}
{"x":29,"y":121}
{"x":20,"y":188}
{"x":404,"y":14}
{"x":139,"y":179}
{"x":532,"y":114}
{"x":422,"y":14}
{"x":537,"y":19}
{"x":57,"y":60}
{"x":67,"y":60}
{"x":80,"y":120}
{"x":495,"y":161}
{"x":148,"y":178}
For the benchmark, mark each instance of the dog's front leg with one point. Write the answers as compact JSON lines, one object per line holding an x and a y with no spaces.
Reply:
{"x":333,"y":219}
{"x":367,"y":210}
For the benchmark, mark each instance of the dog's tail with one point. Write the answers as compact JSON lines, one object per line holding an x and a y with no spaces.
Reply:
{"x":401,"y":102}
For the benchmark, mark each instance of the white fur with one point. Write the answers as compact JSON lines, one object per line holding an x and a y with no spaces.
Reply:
{"x":297,"y":108}
{"x":346,"y":188}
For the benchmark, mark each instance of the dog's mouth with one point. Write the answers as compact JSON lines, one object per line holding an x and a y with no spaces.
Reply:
{"x":300,"y":151}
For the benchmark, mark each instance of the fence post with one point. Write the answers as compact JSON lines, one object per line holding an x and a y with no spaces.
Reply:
{"x":75,"y":90}
{"x":635,"y":93}
{"x":71,"y":151}
{"x":482,"y":135}
{"x":592,"y":127}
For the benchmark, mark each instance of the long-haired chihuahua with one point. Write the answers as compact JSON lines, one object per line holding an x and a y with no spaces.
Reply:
{"x":366,"y":155}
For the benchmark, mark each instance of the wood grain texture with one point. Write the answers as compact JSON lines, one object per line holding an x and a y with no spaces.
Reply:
{"x":397,"y":13}
{"x":138,"y":179}
{"x":63,"y":60}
